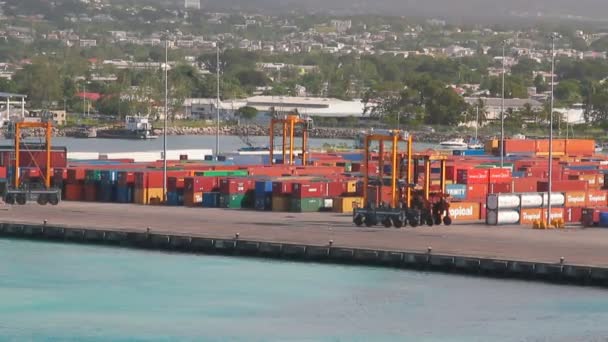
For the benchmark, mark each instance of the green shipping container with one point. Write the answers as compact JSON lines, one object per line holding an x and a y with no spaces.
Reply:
{"x":306,"y":205}
{"x":92,"y":175}
{"x":493,"y":165}
{"x":232,"y":201}
{"x":231,"y":173}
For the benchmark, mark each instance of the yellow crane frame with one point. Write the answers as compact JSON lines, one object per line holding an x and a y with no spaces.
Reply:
{"x":394,"y":137}
{"x":288,"y":125}
{"x":427,"y":161}
{"x":48,"y":127}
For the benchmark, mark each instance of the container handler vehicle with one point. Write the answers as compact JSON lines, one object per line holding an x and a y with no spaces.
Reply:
{"x":20,"y":191}
{"x":410,"y":202}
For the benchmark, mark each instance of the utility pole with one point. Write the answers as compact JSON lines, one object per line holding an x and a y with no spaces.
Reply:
{"x":502,"y":110}
{"x":550,"y":181}
{"x":217,"y":105}
{"x":166,"y":75}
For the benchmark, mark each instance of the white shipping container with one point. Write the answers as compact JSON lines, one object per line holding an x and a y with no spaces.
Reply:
{"x":503,"y":201}
{"x":498,"y":217}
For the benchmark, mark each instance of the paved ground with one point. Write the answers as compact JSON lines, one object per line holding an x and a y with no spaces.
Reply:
{"x":577,"y":246}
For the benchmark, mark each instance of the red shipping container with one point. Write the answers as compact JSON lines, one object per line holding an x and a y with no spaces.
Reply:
{"x":200,"y":184}
{"x":126,"y":178}
{"x":377,"y":195}
{"x":526,"y":184}
{"x":596,"y":198}
{"x":308,"y":190}
{"x":472,"y":176}
{"x":282,"y":188}
{"x":175,"y":183}
{"x":500,"y":188}
{"x":90,"y":192}
{"x":73,"y":192}
{"x":75,"y":175}
{"x":336,"y":188}
{"x":573,"y":214}
{"x":499,"y":175}
{"x":476,"y":191}
{"x":231,"y":186}
{"x":563,"y":186}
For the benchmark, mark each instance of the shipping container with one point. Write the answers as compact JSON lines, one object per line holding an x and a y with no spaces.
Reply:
{"x":306,"y":205}
{"x":456,"y":191}
{"x":309,"y":190}
{"x":232,"y":201}
{"x":575,"y":199}
{"x":263,"y":202}
{"x":346,"y":204}
{"x":472,"y":176}
{"x":280,"y":203}
{"x":596,"y":198}
{"x":211,"y":199}
{"x":500,"y":188}
{"x":465,"y":211}
{"x":193,"y":199}
{"x":563,"y":186}
{"x":233,"y":186}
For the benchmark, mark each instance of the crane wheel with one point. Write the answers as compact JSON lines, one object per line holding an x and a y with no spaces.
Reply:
{"x":42,"y":199}
{"x":447,"y":220}
{"x":53,"y":199}
{"x":9,"y":199}
{"x":370,"y":221}
{"x":397,"y":222}
{"x":414,"y":223}
{"x":429,"y":222}
{"x":387,"y":223}
{"x":358,"y":220}
{"x":437,"y":219}
{"x":21,"y":199}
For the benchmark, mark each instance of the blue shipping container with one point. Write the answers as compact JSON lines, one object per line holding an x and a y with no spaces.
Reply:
{"x":124,"y":194}
{"x":262,"y":188}
{"x":211,"y":199}
{"x":263,"y":202}
{"x":457,"y":191}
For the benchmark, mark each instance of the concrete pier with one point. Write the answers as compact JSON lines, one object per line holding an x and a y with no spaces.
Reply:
{"x":572,"y":255}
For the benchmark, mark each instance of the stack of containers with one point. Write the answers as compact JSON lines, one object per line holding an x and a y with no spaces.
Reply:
{"x":237,"y":193}
{"x":281,"y":195}
{"x":148,"y":187}
{"x":263,"y":195}
{"x":91,"y":184}
{"x":195,"y":189}
{"x":523,"y":208}
{"x":74,"y":184}
{"x":107,"y":186}
{"x":125,"y":186}
{"x":308,"y":196}
{"x":175,"y":191}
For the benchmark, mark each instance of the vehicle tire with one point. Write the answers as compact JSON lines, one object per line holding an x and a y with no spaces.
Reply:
{"x":437,"y":219}
{"x":10,"y":199}
{"x":397,"y":222}
{"x":429,"y":222}
{"x":370,"y":221}
{"x":358,"y":220}
{"x":414,"y":223}
{"x":387,"y":223}
{"x":21,"y":199}
{"x":43,"y":199}
{"x":54,"y":199}
{"x":447,"y":220}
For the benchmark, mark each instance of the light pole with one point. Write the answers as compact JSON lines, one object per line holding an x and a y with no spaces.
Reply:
{"x":166,"y":74}
{"x":550,"y":181}
{"x":217,"y":104}
{"x":502,"y":110}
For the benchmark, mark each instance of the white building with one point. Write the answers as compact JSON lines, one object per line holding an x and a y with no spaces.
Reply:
{"x":312,"y":106}
{"x":193,"y":4}
{"x":492,"y":105}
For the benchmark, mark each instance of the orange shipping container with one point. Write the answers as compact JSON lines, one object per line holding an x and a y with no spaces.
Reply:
{"x":519,"y":146}
{"x":580,"y":147}
{"x":576,"y":199}
{"x":528,"y":216}
{"x":465,"y":211}
{"x":596,"y":198}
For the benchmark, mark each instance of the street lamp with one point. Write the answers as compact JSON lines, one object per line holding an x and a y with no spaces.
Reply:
{"x":502,"y":110}
{"x":217,"y":106}
{"x":166,"y":74}
{"x":554,"y":36}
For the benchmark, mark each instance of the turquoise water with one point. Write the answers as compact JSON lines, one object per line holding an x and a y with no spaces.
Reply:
{"x":87,"y":293}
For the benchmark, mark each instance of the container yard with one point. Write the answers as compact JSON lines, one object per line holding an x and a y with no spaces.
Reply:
{"x":333,"y":199}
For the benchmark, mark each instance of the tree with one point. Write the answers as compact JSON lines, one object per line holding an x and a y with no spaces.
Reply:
{"x":247,"y":113}
{"x":568,"y":91}
{"x":41,"y":81}
{"x":525,"y":67}
{"x":540,"y":84}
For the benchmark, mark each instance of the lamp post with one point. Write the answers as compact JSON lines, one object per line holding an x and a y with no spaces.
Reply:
{"x":502,"y":110}
{"x":166,"y":75}
{"x":217,"y":104}
{"x":550,"y":181}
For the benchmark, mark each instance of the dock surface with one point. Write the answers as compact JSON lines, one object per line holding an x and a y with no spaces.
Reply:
{"x":578,"y":246}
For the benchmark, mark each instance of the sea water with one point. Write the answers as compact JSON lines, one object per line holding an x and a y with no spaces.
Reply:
{"x":54,"y":291}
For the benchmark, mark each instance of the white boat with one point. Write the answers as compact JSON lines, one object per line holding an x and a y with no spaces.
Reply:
{"x":475,"y":144}
{"x":599,"y":148}
{"x":454,"y":144}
